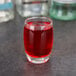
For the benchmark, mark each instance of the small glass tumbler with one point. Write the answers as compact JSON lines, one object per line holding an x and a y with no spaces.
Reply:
{"x":38,"y":39}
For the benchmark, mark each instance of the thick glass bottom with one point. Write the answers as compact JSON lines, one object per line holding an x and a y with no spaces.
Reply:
{"x":6,"y":16}
{"x":62,"y":17}
{"x":37,"y":60}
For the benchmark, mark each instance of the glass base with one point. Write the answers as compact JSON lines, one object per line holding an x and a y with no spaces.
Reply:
{"x":65,"y":18}
{"x":37,"y":60}
{"x":6,"y":15}
{"x":5,"y":19}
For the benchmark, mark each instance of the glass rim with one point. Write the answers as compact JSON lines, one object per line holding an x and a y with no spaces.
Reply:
{"x":29,"y":18}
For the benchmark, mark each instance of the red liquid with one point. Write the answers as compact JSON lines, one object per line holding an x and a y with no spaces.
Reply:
{"x":38,"y":43}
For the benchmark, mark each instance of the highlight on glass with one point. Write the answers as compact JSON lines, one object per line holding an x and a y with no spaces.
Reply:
{"x":38,"y":39}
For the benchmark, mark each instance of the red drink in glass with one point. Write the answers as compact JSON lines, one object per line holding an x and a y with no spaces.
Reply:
{"x":38,"y":40}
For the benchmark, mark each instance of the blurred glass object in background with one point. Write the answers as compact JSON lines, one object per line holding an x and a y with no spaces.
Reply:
{"x":28,"y":8}
{"x":63,"y":9}
{"x":6,"y":10}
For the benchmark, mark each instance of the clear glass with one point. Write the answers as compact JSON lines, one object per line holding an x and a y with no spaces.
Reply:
{"x":6,"y":10}
{"x":63,"y":9}
{"x":27,"y":8}
{"x":38,"y":39}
